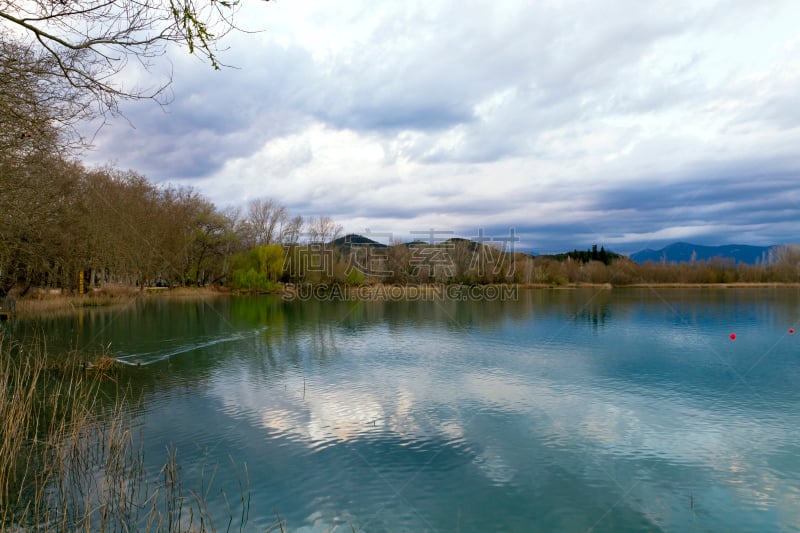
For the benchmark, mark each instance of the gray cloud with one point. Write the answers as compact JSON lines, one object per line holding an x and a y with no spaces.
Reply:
{"x":625,"y":121}
{"x":214,"y":116}
{"x":556,"y":66}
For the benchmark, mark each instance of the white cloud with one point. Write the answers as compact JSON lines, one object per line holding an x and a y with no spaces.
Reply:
{"x":462,"y":114}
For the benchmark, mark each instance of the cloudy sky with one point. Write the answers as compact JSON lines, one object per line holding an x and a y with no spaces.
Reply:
{"x":624,"y":123}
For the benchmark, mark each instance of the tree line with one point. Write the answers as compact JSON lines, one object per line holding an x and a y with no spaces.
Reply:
{"x":66,"y":226}
{"x":60,"y":220}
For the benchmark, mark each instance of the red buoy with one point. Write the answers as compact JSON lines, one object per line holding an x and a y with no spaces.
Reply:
{"x":733,"y":336}
{"x":791,"y":331}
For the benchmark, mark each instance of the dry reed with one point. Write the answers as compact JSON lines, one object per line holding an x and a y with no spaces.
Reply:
{"x":69,"y":460}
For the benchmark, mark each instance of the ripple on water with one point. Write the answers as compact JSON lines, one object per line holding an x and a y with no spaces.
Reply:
{"x":542,"y":421}
{"x":156,"y":356}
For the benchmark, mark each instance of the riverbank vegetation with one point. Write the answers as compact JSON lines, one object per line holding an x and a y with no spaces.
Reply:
{"x":70,"y":459}
{"x":68,"y":228}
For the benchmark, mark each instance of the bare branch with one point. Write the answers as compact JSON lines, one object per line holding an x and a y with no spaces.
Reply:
{"x":90,"y":43}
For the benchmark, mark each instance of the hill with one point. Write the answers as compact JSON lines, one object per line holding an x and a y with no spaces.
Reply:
{"x":684,"y":252}
{"x":349,"y":241}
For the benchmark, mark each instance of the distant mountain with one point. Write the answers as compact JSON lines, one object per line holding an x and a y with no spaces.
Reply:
{"x":350,"y":240}
{"x":684,"y":252}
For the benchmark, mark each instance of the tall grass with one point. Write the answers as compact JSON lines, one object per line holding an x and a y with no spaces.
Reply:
{"x":69,"y":459}
{"x":41,"y":304}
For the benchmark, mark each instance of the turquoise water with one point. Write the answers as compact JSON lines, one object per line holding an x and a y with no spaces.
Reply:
{"x":569,"y":410}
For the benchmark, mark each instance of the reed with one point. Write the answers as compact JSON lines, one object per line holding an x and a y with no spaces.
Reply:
{"x":69,"y":459}
{"x":42,"y":304}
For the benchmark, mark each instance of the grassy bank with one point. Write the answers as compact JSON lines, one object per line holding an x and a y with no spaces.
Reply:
{"x":69,"y":459}
{"x":54,"y":302}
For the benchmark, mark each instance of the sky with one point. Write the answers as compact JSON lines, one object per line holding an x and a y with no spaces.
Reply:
{"x":627,"y":124}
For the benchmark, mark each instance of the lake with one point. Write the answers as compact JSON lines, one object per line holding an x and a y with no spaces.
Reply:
{"x":570,"y":410}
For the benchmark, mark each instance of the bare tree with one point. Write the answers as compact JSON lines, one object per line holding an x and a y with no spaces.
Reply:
{"x":264,"y":220}
{"x":32,"y":244}
{"x":88,"y":44}
{"x":786,"y":254}
{"x":323,"y":229}
{"x":291,"y":230}
{"x":35,"y":110}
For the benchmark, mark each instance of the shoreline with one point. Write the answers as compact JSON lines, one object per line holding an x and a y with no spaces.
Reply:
{"x":487,"y":292}
{"x":44,"y":301}
{"x":56,"y":302}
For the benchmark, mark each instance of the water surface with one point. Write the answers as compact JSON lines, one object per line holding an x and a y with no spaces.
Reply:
{"x":570,"y":410}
